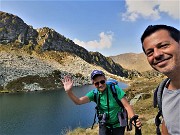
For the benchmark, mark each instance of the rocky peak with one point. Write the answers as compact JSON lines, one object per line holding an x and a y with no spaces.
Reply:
{"x":49,"y":39}
{"x":13,"y":29}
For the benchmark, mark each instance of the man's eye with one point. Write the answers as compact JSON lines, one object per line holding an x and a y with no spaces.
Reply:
{"x":149,"y":53}
{"x":164,"y":45}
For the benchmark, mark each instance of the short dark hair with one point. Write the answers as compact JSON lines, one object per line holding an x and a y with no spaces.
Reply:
{"x":173,"y":32}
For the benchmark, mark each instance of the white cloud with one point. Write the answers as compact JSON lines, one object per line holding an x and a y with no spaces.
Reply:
{"x":105,"y":41}
{"x":151,"y":9}
{"x":172,"y":8}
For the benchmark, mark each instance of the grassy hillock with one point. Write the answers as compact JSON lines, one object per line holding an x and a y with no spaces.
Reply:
{"x":132,"y":61}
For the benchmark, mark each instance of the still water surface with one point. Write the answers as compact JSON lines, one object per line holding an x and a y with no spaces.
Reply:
{"x":44,"y":112}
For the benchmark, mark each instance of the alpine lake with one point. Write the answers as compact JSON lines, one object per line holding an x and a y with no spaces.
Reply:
{"x":45,"y":112}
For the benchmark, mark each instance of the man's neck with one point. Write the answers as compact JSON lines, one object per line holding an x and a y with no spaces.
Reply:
{"x":174,"y":83}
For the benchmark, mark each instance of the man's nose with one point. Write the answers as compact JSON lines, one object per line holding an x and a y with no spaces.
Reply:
{"x":100,"y":84}
{"x":157,"y":53}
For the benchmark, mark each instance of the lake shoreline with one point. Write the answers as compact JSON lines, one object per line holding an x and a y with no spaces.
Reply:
{"x":5,"y":91}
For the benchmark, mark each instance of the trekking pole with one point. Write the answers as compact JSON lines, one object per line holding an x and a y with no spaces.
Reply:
{"x":137,"y":130}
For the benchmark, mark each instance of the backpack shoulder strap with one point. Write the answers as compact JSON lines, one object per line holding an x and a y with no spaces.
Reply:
{"x":158,"y":102}
{"x":95,"y":91}
{"x":158,"y":94}
{"x":114,"y":92}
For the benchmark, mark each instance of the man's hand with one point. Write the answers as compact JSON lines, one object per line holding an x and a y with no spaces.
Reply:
{"x":138,"y":123}
{"x":68,"y":83}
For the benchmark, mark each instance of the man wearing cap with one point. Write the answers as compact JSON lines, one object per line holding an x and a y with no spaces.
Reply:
{"x":104,"y":91}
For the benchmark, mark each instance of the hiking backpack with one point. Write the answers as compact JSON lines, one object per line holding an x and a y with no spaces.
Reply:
{"x":158,"y":103}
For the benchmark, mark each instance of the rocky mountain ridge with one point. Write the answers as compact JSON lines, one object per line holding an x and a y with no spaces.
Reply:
{"x":29,"y":56}
{"x":14,"y":30}
{"x":39,"y":58}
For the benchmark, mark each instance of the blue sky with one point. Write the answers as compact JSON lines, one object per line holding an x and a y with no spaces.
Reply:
{"x":109,"y":27}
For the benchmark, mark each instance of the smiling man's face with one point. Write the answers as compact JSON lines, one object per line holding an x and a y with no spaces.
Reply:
{"x":162,"y":51}
{"x":100,"y":83}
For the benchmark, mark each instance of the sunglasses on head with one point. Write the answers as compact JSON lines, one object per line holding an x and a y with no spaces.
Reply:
{"x":97,"y":83}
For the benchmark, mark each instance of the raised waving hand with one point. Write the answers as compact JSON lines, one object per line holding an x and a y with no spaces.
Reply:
{"x":68,"y":83}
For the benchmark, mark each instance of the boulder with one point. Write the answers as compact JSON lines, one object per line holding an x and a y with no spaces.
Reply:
{"x":139,"y":97}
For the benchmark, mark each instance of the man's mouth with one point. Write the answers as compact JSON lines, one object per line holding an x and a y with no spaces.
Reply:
{"x":159,"y":62}
{"x":100,"y":87}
